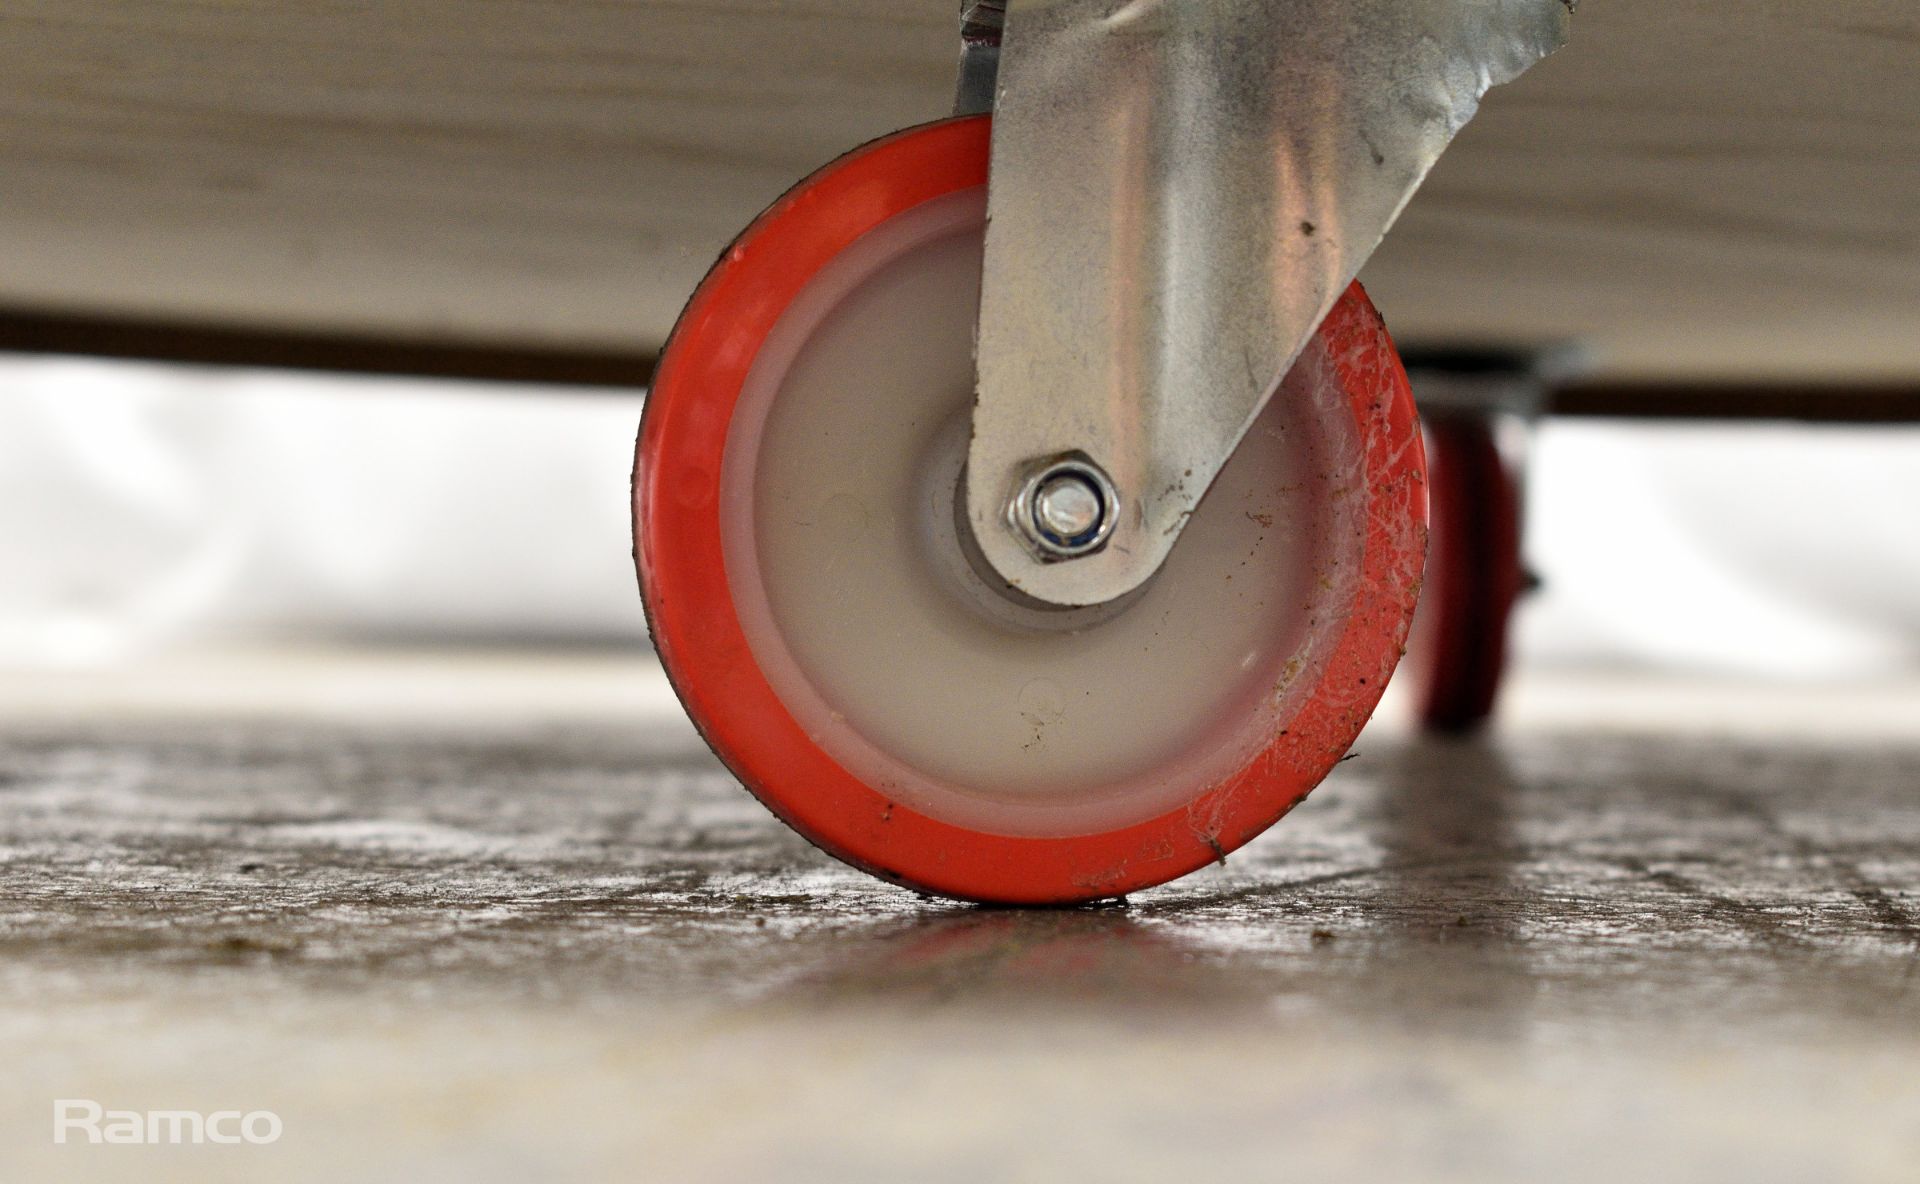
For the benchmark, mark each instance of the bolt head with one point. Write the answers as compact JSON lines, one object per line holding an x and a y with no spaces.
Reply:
{"x":1066,"y":509}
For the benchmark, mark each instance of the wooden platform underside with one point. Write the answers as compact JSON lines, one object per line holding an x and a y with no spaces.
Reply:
{"x":1689,"y":189}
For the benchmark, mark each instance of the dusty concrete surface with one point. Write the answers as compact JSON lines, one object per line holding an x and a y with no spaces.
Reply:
{"x":572,"y":949}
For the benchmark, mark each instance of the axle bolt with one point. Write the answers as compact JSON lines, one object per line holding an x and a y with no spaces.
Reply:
{"x":1066,"y":509}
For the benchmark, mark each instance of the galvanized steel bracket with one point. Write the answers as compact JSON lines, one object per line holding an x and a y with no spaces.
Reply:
{"x":1180,"y":191}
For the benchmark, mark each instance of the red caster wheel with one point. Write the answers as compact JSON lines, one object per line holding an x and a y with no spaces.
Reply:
{"x":1474,"y":574}
{"x":809,"y":583}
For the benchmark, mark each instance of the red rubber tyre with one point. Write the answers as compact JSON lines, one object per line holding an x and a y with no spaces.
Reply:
{"x":1474,"y":575}
{"x":816,"y":613}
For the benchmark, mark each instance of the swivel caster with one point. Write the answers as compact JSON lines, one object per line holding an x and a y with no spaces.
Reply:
{"x":937,"y":621}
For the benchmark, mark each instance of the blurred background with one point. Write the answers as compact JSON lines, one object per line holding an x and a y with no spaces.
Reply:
{"x":147,"y":509}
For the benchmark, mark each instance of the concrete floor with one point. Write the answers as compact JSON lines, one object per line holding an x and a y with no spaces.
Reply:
{"x":492,"y":922}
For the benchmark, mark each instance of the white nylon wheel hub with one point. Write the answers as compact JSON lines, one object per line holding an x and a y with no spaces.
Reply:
{"x":854,"y":587}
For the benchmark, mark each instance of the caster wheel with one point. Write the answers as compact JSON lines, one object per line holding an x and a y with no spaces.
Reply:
{"x":812,"y":591}
{"x":1474,"y":575}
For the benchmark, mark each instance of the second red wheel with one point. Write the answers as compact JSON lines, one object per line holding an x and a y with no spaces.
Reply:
{"x":1474,"y":573}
